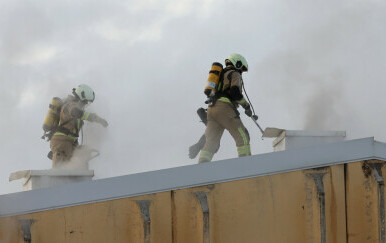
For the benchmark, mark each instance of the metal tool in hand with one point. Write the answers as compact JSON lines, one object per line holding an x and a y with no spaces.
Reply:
{"x":254,"y":116}
{"x":254,"y":119}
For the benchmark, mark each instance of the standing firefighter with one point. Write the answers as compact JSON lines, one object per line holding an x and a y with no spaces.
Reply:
{"x":225,"y":96}
{"x":69,"y":115}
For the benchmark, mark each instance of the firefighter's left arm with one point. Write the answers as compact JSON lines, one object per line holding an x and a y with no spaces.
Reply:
{"x":236,"y":89}
{"x":84,"y":115}
{"x":236,"y":92}
{"x":92,"y":117}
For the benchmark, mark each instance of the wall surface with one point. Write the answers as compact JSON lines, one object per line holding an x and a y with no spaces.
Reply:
{"x":340,"y":203}
{"x":123,"y":220}
{"x":365,"y":202}
{"x":278,"y":208}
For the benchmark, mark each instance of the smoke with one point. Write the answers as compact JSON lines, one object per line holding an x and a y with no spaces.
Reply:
{"x":328,"y":64}
{"x":79,"y":160}
{"x":322,"y":109}
{"x":314,"y":65}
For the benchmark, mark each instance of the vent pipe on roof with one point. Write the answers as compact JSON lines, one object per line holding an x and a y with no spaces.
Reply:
{"x":36,"y":179}
{"x":76,"y":170}
{"x":290,"y":139}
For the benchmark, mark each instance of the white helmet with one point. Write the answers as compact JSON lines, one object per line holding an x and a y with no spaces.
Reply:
{"x":84,"y":92}
{"x":238,"y":61}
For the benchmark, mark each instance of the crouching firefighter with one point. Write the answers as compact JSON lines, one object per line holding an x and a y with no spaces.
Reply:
{"x":224,"y":97}
{"x":65,"y":119}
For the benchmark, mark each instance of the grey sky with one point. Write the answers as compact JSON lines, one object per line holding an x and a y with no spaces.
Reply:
{"x":313,"y":64}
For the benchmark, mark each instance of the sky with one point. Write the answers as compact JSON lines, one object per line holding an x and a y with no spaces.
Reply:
{"x":312,"y":65}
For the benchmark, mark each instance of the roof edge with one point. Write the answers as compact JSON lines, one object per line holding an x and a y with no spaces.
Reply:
{"x":191,"y":176}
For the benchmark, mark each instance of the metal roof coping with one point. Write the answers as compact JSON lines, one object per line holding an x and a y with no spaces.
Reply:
{"x":191,"y":176}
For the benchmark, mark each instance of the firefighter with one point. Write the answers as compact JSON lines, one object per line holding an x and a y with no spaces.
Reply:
{"x":223,"y":114}
{"x":71,"y":118}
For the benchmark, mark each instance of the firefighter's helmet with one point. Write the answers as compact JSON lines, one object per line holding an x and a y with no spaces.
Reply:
{"x":238,"y":61}
{"x":85,"y":93}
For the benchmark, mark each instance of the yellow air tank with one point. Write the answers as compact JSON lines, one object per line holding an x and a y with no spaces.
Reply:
{"x":213,"y":79}
{"x":53,"y":114}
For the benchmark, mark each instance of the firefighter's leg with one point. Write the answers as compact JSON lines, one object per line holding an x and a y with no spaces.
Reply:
{"x":232,"y":122}
{"x":62,"y":150}
{"x":241,"y":136}
{"x":213,"y":135}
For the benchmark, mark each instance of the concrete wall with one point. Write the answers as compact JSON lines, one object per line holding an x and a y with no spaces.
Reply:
{"x":278,"y":208}
{"x":365,"y":202}
{"x":340,"y":203}
{"x":124,"y":220}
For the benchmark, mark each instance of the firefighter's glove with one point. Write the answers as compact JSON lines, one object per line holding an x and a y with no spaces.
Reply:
{"x":102,"y":121}
{"x":95,"y":118}
{"x":248,"y":110}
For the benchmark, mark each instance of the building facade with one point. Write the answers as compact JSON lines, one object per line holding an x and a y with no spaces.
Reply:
{"x":326,"y":193}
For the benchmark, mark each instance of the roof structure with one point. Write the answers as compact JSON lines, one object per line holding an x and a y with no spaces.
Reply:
{"x":28,"y":173}
{"x":191,"y":176}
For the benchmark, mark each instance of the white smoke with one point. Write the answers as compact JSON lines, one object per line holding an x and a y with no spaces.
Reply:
{"x":80,"y":159}
{"x":331,"y":61}
{"x":313,"y":64}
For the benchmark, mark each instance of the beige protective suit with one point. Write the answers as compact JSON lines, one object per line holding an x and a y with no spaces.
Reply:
{"x":65,"y":140}
{"x":224,"y":115}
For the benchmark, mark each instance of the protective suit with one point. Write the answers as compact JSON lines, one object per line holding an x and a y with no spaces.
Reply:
{"x":72,"y":117}
{"x":223,"y":114}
